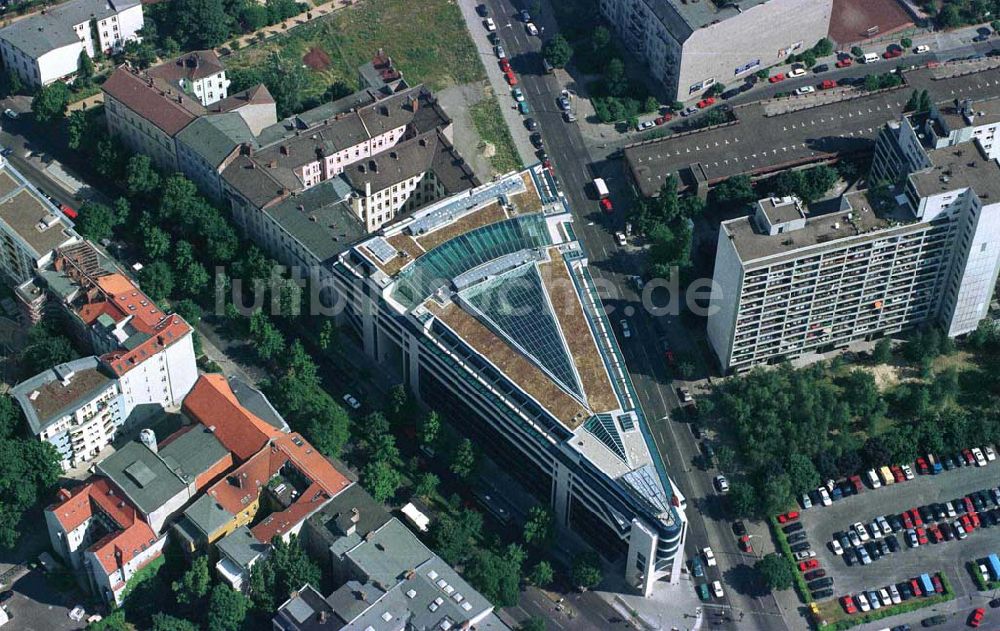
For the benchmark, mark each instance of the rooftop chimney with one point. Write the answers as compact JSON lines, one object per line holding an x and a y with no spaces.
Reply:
{"x":283,"y":150}
{"x":414,"y":104}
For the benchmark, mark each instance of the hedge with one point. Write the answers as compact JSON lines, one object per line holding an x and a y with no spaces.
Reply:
{"x":981,"y":583}
{"x":800,"y":582}
{"x":895,"y":610}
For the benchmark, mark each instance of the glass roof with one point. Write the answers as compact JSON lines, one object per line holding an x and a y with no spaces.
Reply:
{"x":602,"y":426}
{"x":466,"y":251}
{"x":515,"y":306}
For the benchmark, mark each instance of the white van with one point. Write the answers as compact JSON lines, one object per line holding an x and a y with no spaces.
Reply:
{"x":871,"y":58}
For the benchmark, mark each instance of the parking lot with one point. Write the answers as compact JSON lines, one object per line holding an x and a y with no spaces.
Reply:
{"x":36,"y":606}
{"x":950,"y":556}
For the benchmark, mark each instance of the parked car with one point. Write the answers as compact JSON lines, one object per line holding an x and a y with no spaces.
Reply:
{"x":809,"y":564}
{"x":353,"y":403}
{"x":976,"y":617}
{"x":787,"y":517}
{"x":776,"y":78}
{"x":703,"y":593}
{"x":697,"y":568}
{"x":722,"y":484}
{"x":490,"y":24}
{"x":845,"y":62}
{"x":814,"y":574}
{"x":709,"y":102}
{"x":923,"y":48}
{"x":709,"y":556}
{"x":820,"y":68}
{"x":717,"y":589}
{"x":9,"y":113}
{"x":481,"y":10}
{"x":790,"y":528}
{"x":806,"y":89}
{"x":797,"y":71}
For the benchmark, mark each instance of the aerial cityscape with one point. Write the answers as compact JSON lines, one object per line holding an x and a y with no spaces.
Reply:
{"x":499,"y":315}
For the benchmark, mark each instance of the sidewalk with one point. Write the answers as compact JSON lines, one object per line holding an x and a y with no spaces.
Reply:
{"x":316,"y":12}
{"x":515,"y":122}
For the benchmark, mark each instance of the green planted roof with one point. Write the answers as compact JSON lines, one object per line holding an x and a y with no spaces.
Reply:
{"x":468,"y":251}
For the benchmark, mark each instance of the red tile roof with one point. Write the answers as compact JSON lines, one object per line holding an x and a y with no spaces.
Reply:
{"x":312,"y":463}
{"x":117,"y":296}
{"x":241,"y":487}
{"x":169,"y":112}
{"x":171,"y":330}
{"x":79,"y":506}
{"x":212,"y":403}
{"x":126,"y":544}
{"x":280,"y":522}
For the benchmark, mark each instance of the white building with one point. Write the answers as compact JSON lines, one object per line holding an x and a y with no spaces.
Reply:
{"x":46,"y":47}
{"x":690,"y":46}
{"x":792,"y":281}
{"x":77,"y":407}
{"x":31,"y":228}
{"x":198,"y":73}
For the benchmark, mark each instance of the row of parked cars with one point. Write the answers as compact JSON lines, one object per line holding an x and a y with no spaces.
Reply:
{"x":932,"y":465}
{"x":819,"y":584}
{"x":893,"y":594}
{"x":698,"y":564}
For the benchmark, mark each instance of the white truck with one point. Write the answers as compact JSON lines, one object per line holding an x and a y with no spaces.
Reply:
{"x":601,"y":188}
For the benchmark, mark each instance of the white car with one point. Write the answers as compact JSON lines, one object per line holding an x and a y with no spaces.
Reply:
{"x":806,"y":502}
{"x":907,"y":471}
{"x":717,"y":589}
{"x":805,"y":554}
{"x":883,"y":523}
{"x":722,"y":483}
{"x":709,"y":557}
{"x":873,"y":599}
{"x":77,"y":613}
{"x":894,"y":595}
{"x":984,"y":571}
{"x":806,"y":89}
{"x":532,"y":29}
{"x":644,"y":126}
{"x":796,"y":72}
{"x":685,"y":395}
{"x":959,"y":530}
{"x":923,"y":48}
{"x":862,"y":531}
{"x":620,"y":238}
{"x":824,"y":496}
{"x":873,"y":478}
{"x":501,"y":53}
{"x":862,"y":601}
{"x":852,"y":536}
{"x":836,"y":547}
{"x":352,"y":402}
{"x":883,"y":595}
{"x":490,"y":24}
{"x":977,"y":453}
{"x":990,"y":454}
{"x":626,"y":332}
{"x":875,"y":530}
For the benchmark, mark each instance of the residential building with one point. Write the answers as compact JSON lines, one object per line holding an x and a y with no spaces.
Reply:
{"x":380,"y":75}
{"x":397,"y":583}
{"x":46,"y":47}
{"x":690,"y":46}
{"x":793,"y":281}
{"x":485,"y":304}
{"x":77,"y":407}
{"x":199,"y":73}
{"x":102,"y":538}
{"x":31,"y":228}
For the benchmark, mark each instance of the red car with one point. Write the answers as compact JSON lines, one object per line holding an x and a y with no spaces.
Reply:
{"x":969,"y":507}
{"x":809,"y":564}
{"x":745,"y":544}
{"x":934,"y":533}
{"x":511,"y":79}
{"x":922,"y":536}
{"x":917,"y":521}
{"x":607,"y":206}
{"x":897,"y":473}
{"x":969,"y":458}
{"x":976,"y":617}
{"x":662,"y":120}
{"x":505,"y":65}
{"x":922,"y":466}
{"x":915,"y":586}
{"x":69,"y":212}
{"x":848,"y":604}
{"x":709,"y":102}
{"x":845,"y":62}
{"x":892,"y":54}
{"x":855,"y":481}
{"x":907,"y":520}
{"x":784,"y":518}
{"x":776,"y":78}
{"x":827,"y":84}
{"x":938,"y":587}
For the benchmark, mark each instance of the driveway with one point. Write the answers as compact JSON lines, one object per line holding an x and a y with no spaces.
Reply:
{"x":821,"y":522}
{"x":36,"y":606}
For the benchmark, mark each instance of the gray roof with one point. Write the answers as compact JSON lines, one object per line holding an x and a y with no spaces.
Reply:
{"x":429,"y":151}
{"x":56,"y":400}
{"x":956,"y":168}
{"x":145,"y":478}
{"x":319,"y":219}
{"x":215,"y":136}
{"x":242,"y":547}
{"x":388,"y":553}
{"x":329,"y":523}
{"x":678,"y":14}
{"x":207,"y":514}
{"x":22,"y":211}
{"x":53,"y":28}
{"x":193,"y":452}
{"x":254,"y":400}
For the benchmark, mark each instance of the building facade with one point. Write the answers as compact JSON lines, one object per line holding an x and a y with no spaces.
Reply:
{"x":46,"y":47}
{"x":690,"y":46}
{"x":199,"y":73}
{"x":791,"y":283}
{"x":77,"y":407}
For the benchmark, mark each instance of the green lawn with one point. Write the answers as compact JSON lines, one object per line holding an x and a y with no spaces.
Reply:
{"x":427,"y":40}
{"x":490,"y":126}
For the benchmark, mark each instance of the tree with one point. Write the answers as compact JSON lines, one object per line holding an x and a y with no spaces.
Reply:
{"x":267,"y":339}
{"x":856,"y":51}
{"x":454,"y":536}
{"x":429,"y":429}
{"x":285,"y":570}
{"x":28,"y":469}
{"x":557,"y":51}
{"x":823,"y":48}
{"x":586,"y":572}
{"x":142,"y":176}
{"x":809,"y":59}
{"x":12,"y":83}
{"x":802,"y":473}
{"x":533,"y":623}
{"x":542,"y":574}
{"x":380,"y":479}
{"x":463,"y":463}
{"x":734,"y":191}
{"x":115,"y":621}
{"x":906,"y":42}
{"x":872,"y":82}
{"x":427,"y":485}
{"x":97,"y":221}
{"x":85,"y":70}
{"x":50,"y":102}
{"x":742,"y":500}
{"x":949,"y":16}
{"x":109,"y":158}
{"x":776,"y":571}
{"x":156,"y":241}
{"x":538,"y":527}
{"x":45,"y":349}
{"x":227,"y":609}
{"x":76,"y":129}
{"x":201,"y":23}
{"x":497,"y":575}
{"x":651,"y":104}
{"x":157,"y":280}
{"x":329,"y":432}
{"x":142,"y":55}
{"x":615,"y":80}
{"x":165,"y":622}
{"x":882,"y":353}
{"x":193,"y":584}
